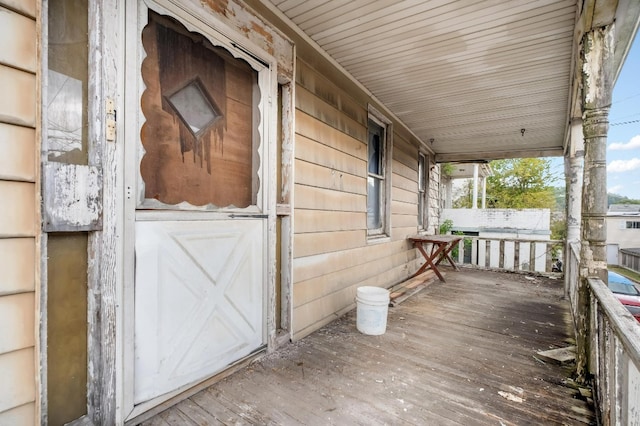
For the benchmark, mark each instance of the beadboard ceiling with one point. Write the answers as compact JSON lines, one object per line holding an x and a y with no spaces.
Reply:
{"x":466,"y":76}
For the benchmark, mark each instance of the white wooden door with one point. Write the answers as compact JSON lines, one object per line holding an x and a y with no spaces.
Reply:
{"x":198,"y":302}
{"x":198,"y":212}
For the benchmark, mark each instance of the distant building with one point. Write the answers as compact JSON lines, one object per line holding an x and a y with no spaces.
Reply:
{"x":623,"y":230}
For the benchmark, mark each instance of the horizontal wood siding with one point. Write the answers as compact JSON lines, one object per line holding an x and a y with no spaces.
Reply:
{"x":332,"y":254}
{"x":19,"y":217}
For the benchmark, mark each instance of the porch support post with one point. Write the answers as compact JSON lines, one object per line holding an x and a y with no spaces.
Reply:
{"x":573,"y":171}
{"x":448,"y":196}
{"x":597,"y":80}
{"x":484,"y":192}
{"x":573,"y":165}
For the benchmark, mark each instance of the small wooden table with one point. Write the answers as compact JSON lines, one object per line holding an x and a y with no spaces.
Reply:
{"x":441,"y":246}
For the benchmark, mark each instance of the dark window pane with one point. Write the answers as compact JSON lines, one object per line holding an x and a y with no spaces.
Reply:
{"x":374,"y":219}
{"x":376,"y":134}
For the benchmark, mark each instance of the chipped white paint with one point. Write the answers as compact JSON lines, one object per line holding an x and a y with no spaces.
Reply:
{"x":633,"y":395}
{"x":73,"y":197}
{"x":615,"y":338}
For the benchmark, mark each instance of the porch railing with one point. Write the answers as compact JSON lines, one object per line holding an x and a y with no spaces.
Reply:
{"x":509,"y":254}
{"x":614,"y":358}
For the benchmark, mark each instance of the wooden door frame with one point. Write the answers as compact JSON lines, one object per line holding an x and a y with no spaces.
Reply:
{"x":108,"y":313}
{"x":266,"y":66}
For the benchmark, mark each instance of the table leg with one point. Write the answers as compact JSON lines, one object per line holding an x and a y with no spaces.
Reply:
{"x":429,"y":260}
{"x":447,"y":254}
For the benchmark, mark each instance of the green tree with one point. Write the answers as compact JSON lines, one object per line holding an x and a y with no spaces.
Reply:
{"x":620,"y":199}
{"x":521,"y":183}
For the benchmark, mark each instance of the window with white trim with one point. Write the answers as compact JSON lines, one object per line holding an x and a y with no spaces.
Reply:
{"x":633,"y":225}
{"x":378,"y":172}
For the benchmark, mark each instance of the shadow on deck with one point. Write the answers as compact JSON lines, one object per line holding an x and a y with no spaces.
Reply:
{"x":463,"y":352}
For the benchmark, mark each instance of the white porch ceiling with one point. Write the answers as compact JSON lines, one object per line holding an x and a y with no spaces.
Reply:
{"x":467,"y":74}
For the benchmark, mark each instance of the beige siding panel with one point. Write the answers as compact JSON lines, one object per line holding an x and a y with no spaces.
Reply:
{"x":404,"y":183}
{"x":308,"y":197}
{"x":406,"y":147}
{"x":405,"y":171}
{"x":17,"y":368}
{"x":405,"y":196}
{"x":19,"y":35}
{"x":311,"y":316}
{"x":404,"y":221}
{"x":316,"y":107}
{"x":323,"y":155}
{"x":17,"y":260}
{"x":323,"y":221}
{"x":322,"y":177}
{"x":324,"y":89}
{"x":399,"y":207}
{"x":310,"y":290}
{"x":18,"y":100}
{"x":18,"y":153}
{"x":311,"y":128}
{"x":407,"y":159}
{"x":22,"y":415}
{"x":316,"y":243}
{"x":16,"y":315}
{"x":305,"y":268}
{"x":19,"y":220}
{"x":27,"y":7}
{"x":401,"y":233}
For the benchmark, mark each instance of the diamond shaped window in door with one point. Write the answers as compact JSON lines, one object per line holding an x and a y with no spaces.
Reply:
{"x":200,"y":137}
{"x":194,"y":108}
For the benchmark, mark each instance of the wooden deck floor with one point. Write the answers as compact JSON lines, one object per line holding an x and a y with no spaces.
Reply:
{"x":463,"y":352}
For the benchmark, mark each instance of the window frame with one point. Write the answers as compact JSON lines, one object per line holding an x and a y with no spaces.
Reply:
{"x":632,"y":224}
{"x":423,"y":190}
{"x":384,"y":207}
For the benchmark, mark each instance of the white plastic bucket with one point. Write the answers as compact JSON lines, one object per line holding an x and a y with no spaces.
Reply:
{"x":372,"y":307}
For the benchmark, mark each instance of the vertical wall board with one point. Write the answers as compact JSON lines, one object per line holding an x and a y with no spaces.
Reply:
{"x":66,"y":326}
{"x":21,"y":52}
{"x":20,"y":219}
{"x":17,"y":310}
{"x":72,"y":197}
{"x":18,"y":369}
{"x":28,"y":7}
{"x":17,"y":260}
{"x":17,"y":161}
{"x":22,"y":415}
{"x":17,"y":103}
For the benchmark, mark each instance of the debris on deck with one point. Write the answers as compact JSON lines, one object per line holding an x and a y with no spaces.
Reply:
{"x":455,"y":353}
{"x":406,"y":289}
{"x":559,"y":356}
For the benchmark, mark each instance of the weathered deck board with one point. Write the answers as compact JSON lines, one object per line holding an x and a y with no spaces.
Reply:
{"x":447,"y":353}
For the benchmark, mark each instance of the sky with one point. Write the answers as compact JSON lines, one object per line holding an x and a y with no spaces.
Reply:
{"x":623,"y":141}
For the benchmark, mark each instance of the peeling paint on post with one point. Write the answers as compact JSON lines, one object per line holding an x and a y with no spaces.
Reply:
{"x":73,"y":198}
{"x":573,"y":168}
{"x":597,"y":79}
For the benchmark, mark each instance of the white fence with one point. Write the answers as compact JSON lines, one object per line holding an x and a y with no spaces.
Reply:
{"x":508,"y":254}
